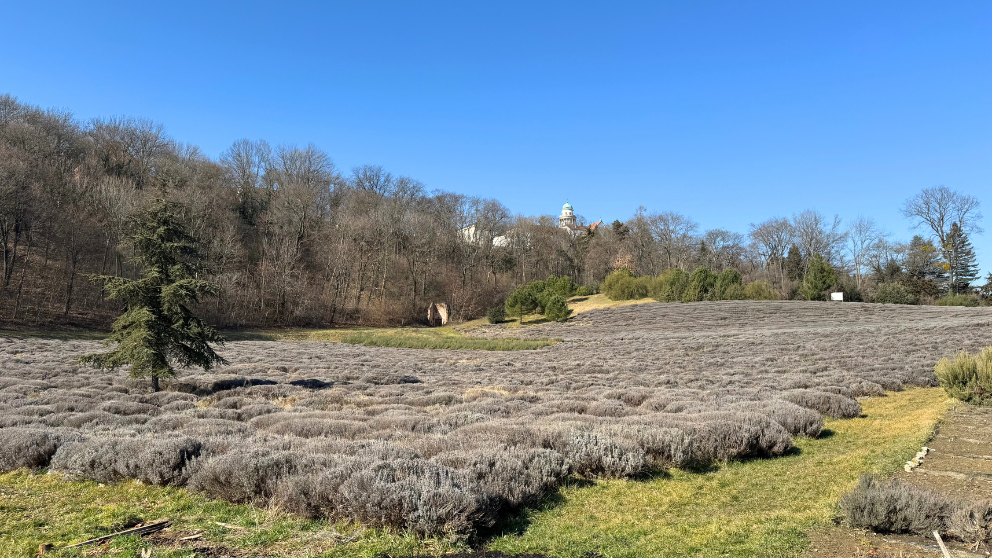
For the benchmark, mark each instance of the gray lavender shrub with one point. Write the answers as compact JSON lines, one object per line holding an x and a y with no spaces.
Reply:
{"x":894,"y":507}
{"x":245,"y":476}
{"x":154,"y":461}
{"x":972,"y":523}
{"x":829,"y":404}
{"x":29,"y":447}
{"x":517,"y":477}
{"x":339,"y":431}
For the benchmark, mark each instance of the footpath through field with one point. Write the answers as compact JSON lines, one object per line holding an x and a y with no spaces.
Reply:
{"x":958,"y":465}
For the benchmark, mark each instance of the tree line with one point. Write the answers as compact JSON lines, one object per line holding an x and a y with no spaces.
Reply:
{"x":290,"y":239}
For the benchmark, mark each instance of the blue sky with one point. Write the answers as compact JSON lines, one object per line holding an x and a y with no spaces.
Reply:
{"x":729,"y":112}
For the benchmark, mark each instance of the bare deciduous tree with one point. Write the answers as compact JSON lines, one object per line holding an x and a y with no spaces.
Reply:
{"x":939,"y":207}
{"x":862,"y":237}
{"x":774,"y":237}
{"x":675,"y":235}
{"x":815,"y":235}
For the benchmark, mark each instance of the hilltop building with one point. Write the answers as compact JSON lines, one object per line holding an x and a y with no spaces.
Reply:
{"x":569,"y":222}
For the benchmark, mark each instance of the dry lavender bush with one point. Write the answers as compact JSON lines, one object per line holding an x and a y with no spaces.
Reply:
{"x":449,"y":441}
{"x":894,"y":507}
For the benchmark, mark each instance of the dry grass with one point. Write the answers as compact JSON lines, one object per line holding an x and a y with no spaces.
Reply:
{"x":583,"y":304}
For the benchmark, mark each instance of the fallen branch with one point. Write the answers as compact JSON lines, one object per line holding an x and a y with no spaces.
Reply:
{"x":142,"y":530}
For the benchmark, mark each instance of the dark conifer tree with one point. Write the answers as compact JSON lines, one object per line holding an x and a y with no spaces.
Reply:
{"x":821,"y":277}
{"x":158,"y":330}
{"x":962,"y":265}
{"x":794,"y":264}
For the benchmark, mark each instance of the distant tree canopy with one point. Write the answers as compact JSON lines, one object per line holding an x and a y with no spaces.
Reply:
{"x":288,"y":238}
{"x":158,"y":330}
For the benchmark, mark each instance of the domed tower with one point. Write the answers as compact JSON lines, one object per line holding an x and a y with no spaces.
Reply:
{"x":567,"y":217}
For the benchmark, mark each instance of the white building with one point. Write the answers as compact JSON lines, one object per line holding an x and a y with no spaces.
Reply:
{"x":569,"y":222}
{"x":471,"y":234}
{"x":566,"y":221}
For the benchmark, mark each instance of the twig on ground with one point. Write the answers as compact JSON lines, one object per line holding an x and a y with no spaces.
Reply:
{"x":142,"y":530}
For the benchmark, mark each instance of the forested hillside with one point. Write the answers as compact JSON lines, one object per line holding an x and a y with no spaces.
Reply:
{"x":293,"y":240}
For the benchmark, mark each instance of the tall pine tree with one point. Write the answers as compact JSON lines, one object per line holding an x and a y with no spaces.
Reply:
{"x":961,"y":265}
{"x":794,"y":264}
{"x":158,"y":330}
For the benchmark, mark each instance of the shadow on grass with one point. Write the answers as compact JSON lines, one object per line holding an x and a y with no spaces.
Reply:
{"x":246,"y":335}
{"x":57,"y":334}
{"x":516,"y":524}
{"x":825,"y":433}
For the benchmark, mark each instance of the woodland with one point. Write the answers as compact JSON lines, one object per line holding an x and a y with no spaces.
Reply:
{"x":292,"y":240}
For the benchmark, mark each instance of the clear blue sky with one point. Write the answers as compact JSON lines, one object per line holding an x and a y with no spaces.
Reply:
{"x":730,"y":112}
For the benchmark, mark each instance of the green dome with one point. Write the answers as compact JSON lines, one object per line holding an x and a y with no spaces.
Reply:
{"x":566,"y":207}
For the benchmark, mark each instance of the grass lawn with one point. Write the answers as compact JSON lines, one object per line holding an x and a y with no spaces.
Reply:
{"x":38,"y":509}
{"x":407,"y":337}
{"x":754,"y":508}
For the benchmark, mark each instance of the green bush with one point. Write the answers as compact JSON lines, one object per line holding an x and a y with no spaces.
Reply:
{"x":893,"y":293}
{"x":820,"y":277}
{"x":538,"y":295}
{"x":563,"y":286}
{"x":958,"y":300}
{"x":734,"y":292}
{"x":967,"y":377}
{"x":556,"y":309}
{"x":622,"y":285}
{"x":669,"y":286}
{"x":496,"y":315}
{"x":729,"y":285}
{"x":584,"y":291}
{"x":761,"y":290}
{"x":700,"y":283}
{"x":521,"y":301}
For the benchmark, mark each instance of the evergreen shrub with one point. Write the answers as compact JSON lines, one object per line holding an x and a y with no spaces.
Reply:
{"x":760,"y":290}
{"x":496,"y":315}
{"x":958,"y":300}
{"x":622,"y":285}
{"x":556,"y":309}
{"x":585,"y":290}
{"x":893,"y":293}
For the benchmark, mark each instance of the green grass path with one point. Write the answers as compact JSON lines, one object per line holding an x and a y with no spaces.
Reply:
{"x":755,"y":508}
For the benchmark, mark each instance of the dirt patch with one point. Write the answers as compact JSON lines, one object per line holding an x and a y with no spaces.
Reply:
{"x":958,"y":465}
{"x":487,"y":554}
{"x":183,"y":540}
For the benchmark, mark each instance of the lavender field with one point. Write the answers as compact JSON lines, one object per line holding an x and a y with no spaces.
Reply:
{"x":450,"y":442}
